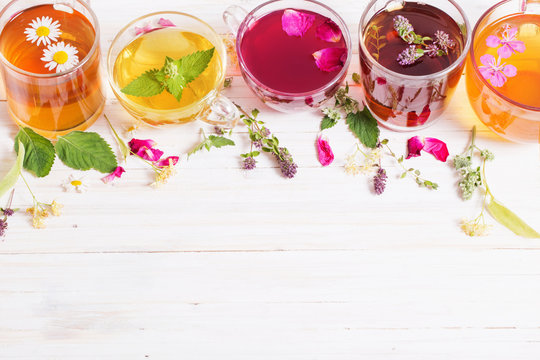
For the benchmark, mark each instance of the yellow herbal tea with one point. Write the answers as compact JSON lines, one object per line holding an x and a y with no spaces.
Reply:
{"x":53,"y":83}
{"x":149,"y":51}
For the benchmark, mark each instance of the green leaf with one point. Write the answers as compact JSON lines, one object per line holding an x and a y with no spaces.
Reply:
{"x":507,"y":218}
{"x":356,"y":76}
{"x":124,"y":149}
{"x":327,"y":122}
{"x":220,"y":141}
{"x":86,"y":150}
{"x":39,"y":152}
{"x":192,"y":65}
{"x":145,"y":85}
{"x":364,"y":126}
{"x":12,"y":176}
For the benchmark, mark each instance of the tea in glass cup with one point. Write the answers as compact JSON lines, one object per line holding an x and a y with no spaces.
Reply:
{"x":294,"y":55}
{"x":411,"y":59}
{"x":503,"y":70}
{"x":50,"y":59}
{"x":171,"y":48}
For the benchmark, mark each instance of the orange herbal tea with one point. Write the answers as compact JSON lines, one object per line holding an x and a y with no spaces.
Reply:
{"x":504,"y":85}
{"x":51,"y":68}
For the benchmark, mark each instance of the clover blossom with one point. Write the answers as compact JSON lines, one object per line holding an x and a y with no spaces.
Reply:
{"x":409,"y":56}
{"x":379,"y":181}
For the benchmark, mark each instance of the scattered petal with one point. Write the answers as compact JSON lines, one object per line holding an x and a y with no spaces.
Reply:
{"x":150,"y":154}
{"x":117,"y":173}
{"x":135,"y":144}
{"x":330,"y":59}
{"x":326,"y":156}
{"x":437,"y":148}
{"x":168,"y":161}
{"x":329,"y":31}
{"x":296,"y":23}
{"x":143,"y":30}
{"x":415,"y":145}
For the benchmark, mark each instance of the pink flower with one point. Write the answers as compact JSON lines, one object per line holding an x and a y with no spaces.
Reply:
{"x":415,"y":145}
{"x":171,"y":160}
{"x":117,"y":173}
{"x":509,"y":43}
{"x":329,"y":31}
{"x":430,"y":145}
{"x":165,"y":23}
{"x":296,"y":23}
{"x":330,"y":59}
{"x":494,"y":71}
{"x":326,"y":156}
{"x":436,"y":148}
{"x":145,"y":149}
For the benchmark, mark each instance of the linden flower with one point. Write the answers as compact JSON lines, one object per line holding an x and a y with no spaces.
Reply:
{"x":43,"y":30}
{"x":164,"y":173}
{"x":351,"y":167}
{"x":61,"y":56}
{"x":476,"y":227}
{"x":38,"y":217}
{"x":75,"y":184}
{"x":56,"y":208}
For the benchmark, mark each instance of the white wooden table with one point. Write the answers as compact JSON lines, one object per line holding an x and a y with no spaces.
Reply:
{"x":224,"y":264}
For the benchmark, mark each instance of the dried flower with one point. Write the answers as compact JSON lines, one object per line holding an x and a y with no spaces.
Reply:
{"x":379,"y":181}
{"x":329,"y":31}
{"x":330,"y":59}
{"x":475,"y":227}
{"x":163,"y":174}
{"x":296,"y":23}
{"x":351,"y":166}
{"x":56,"y":208}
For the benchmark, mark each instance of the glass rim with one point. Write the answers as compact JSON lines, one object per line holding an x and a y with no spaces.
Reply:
{"x":83,"y":62}
{"x":344,"y":29}
{"x":110,"y":64}
{"x":451,"y":67}
{"x":475,"y":64}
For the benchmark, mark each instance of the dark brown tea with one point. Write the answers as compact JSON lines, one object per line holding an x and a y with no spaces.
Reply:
{"x":415,"y":40}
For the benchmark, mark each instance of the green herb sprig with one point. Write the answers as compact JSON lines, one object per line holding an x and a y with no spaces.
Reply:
{"x":473,"y":178}
{"x":173,"y":77}
{"x":208,"y":142}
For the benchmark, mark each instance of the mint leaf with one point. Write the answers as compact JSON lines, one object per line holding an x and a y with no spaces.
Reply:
{"x":12,"y":176}
{"x":39,"y":151}
{"x":327,"y":122}
{"x":364,"y":126}
{"x":210,"y":142}
{"x":507,"y":218}
{"x":86,"y":150}
{"x":192,"y":65}
{"x":145,"y":85}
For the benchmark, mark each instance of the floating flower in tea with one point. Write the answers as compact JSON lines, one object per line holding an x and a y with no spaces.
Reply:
{"x":60,"y":56}
{"x":43,"y":30}
{"x":296,"y":23}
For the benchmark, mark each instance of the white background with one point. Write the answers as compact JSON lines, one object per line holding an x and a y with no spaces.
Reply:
{"x":225,"y":264}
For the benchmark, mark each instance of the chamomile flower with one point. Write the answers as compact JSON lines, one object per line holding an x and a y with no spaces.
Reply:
{"x":61,"y":56}
{"x":43,"y":30}
{"x":74,"y":184}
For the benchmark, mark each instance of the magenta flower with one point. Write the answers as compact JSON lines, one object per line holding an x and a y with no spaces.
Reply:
{"x":171,"y":160}
{"x":436,"y":148}
{"x":145,"y":149}
{"x":326,"y":156}
{"x":296,"y":23}
{"x":430,"y":145}
{"x":117,"y":173}
{"x":415,"y":145}
{"x":494,"y":71}
{"x":329,"y":31}
{"x":330,"y":59}
{"x":165,"y":23}
{"x":135,"y":144}
{"x":508,"y":41}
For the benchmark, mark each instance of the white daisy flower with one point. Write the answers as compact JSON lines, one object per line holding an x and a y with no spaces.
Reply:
{"x":43,"y":30}
{"x":75,"y":184}
{"x":60,"y":56}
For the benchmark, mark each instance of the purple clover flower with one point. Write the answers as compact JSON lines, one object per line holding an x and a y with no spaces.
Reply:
{"x":443,"y":41}
{"x":249,"y":163}
{"x":286,"y":164}
{"x":3,"y":227}
{"x":404,"y":28}
{"x":379,"y":181}
{"x":409,"y":56}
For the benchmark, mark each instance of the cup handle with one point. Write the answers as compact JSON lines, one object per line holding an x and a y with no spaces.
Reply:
{"x":222,"y":112}
{"x":233,"y":17}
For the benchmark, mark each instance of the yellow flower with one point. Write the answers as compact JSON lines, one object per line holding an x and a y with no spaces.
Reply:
{"x":476,"y":227}
{"x":56,"y":208}
{"x":38,"y":222}
{"x":74,"y":183}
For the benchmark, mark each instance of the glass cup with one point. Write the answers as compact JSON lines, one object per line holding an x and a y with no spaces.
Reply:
{"x":409,"y":102}
{"x":57,"y":103}
{"x":502,"y":114}
{"x":239,"y":21}
{"x":212,"y":108}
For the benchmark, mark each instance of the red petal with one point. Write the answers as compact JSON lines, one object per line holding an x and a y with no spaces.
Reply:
{"x":326,"y":156}
{"x":143,"y":30}
{"x":437,"y":148}
{"x":165,"y":162}
{"x":150,"y":154}
{"x":424,"y":115}
{"x":117,"y":173}
{"x":415,"y":145}
{"x":330,"y":59}
{"x":329,"y":31}
{"x":135,"y":144}
{"x":165,"y":22}
{"x":296,"y":23}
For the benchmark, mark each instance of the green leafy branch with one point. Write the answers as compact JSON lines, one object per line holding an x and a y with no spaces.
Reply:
{"x":210,"y":142}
